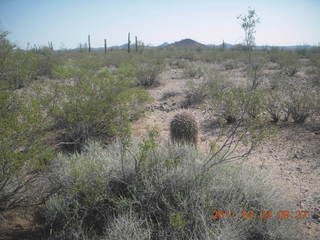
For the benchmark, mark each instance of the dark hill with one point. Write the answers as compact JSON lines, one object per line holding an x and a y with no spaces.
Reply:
{"x":187,"y":43}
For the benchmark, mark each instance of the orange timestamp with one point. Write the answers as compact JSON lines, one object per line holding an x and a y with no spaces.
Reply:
{"x":263,"y":214}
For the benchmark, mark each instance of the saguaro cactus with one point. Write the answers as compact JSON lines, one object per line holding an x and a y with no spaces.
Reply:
{"x":184,"y":128}
{"x":89,"y":43}
{"x":129,"y":42}
{"x":50,"y":45}
{"x":136,"y":44}
{"x":105,"y":46}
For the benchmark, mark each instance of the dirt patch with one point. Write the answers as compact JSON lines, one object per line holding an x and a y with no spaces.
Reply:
{"x":19,"y":224}
{"x":292,"y":157}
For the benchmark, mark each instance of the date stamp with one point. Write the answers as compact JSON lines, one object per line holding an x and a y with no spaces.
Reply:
{"x":263,"y":214}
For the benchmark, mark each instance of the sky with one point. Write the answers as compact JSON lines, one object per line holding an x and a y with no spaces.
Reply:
{"x":66,"y":23}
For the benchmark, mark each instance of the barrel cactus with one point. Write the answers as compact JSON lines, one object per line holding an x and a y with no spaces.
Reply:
{"x":184,"y":128}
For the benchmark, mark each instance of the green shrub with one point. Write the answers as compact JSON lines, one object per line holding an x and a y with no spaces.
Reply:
{"x":180,"y":63}
{"x":6,"y":50}
{"x":22,"y":68}
{"x":22,"y":151}
{"x":147,"y":74}
{"x":239,"y":104}
{"x":196,"y":92}
{"x":288,"y":61}
{"x":99,"y":106}
{"x":163,"y":201}
{"x":19,"y":67}
{"x":47,"y":60}
{"x":192,"y":70}
{"x":274,"y":54}
{"x":230,"y":64}
{"x":314,"y":72}
{"x":209,"y":87}
{"x":64,"y":71}
{"x":274,"y":105}
{"x":178,"y":221}
{"x":292,"y":98}
{"x":301,"y":102}
{"x":255,"y":75}
{"x":184,"y":128}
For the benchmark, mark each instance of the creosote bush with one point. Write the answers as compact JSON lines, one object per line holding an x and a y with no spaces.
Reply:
{"x":239,"y":103}
{"x":22,"y":151}
{"x":302,"y":102}
{"x":292,"y":99}
{"x":92,"y":105}
{"x":209,"y":87}
{"x":184,"y":128}
{"x":192,"y":70}
{"x":195,"y":93}
{"x":147,"y":74}
{"x":142,"y":190}
{"x":104,"y":194}
{"x":20,"y":67}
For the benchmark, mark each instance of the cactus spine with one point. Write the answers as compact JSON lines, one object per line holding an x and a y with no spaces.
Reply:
{"x":184,"y":128}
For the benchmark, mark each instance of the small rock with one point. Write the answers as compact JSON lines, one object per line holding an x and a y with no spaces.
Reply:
{"x":316,"y":217}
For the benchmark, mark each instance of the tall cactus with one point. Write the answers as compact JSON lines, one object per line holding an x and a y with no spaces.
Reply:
{"x":136,"y":44}
{"x":50,"y":45}
{"x":129,"y":42}
{"x":105,"y":46}
{"x":89,"y":45}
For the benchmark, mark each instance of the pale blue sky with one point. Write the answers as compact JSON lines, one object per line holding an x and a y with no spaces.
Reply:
{"x":68,"y":22}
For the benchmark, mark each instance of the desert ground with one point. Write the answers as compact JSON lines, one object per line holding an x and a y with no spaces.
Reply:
{"x":291,"y":157}
{"x":179,"y":80}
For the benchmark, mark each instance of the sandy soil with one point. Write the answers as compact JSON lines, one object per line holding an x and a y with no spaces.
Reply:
{"x":292,"y":157}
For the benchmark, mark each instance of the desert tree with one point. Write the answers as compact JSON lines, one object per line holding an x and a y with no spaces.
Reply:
{"x":248,"y":23}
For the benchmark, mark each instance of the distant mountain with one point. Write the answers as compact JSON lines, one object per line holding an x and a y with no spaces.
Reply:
{"x":191,"y":44}
{"x":164,"y":44}
{"x":187,"y":43}
{"x":262,"y":47}
{"x":295,"y":47}
{"x":122,"y":46}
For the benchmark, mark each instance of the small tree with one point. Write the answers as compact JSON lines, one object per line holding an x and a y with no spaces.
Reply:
{"x":248,"y":24}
